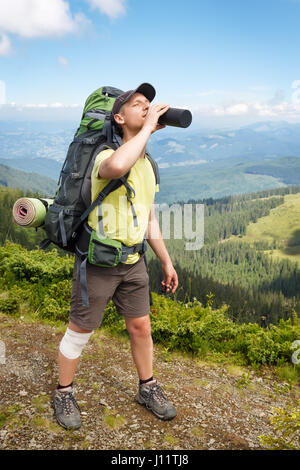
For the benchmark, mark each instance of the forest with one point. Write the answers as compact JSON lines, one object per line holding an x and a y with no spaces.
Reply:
{"x":253,"y":286}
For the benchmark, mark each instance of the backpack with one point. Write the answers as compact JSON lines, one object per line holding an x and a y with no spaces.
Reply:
{"x":65,"y":222}
{"x":72,"y":202}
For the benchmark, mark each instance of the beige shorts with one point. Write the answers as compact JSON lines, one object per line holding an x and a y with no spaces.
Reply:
{"x":126,"y":284}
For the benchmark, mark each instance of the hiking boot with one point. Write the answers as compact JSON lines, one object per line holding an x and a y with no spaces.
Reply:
{"x":67,"y":411}
{"x":152,"y":397}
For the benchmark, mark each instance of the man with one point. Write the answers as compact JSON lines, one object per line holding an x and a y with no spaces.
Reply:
{"x":127,"y":284}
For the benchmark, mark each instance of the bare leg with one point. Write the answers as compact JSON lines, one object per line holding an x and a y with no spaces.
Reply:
{"x":141,"y":342}
{"x":67,"y":367}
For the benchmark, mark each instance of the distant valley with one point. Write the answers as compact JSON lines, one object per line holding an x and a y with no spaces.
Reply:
{"x":193,"y":164}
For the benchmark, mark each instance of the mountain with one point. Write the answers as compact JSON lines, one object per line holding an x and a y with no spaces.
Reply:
{"x":27,"y":181}
{"x":286,"y":169}
{"x":194,"y":164}
{"x":43,"y":166}
{"x":224,"y":177}
{"x":253,"y":142}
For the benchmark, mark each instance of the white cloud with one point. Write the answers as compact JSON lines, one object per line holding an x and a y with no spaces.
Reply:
{"x":260,"y":88}
{"x":277,"y":98}
{"x":210,"y":92}
{"x":215,"y":136}
{"x":111,"y":8}
{"x":189,"y":162}
{"x":37,"y":18}
{"x":237,"y":109}
{"x":174,"y":146}
{"x":62,"y":61}
{"x":5,"y":46}
{"x":41,"y":111}
{"x":295,"y":84}
{"x":254,"y":109}
{"x":213,"y":146}
{"x":2,"y":92}
{"x":164,"y":165}
{"x":43,"y":105}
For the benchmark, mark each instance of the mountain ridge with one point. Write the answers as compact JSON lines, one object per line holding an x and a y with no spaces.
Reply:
{"x":13,"y":178}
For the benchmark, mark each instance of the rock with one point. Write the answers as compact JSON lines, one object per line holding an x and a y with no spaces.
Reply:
{"x":32,"y":442}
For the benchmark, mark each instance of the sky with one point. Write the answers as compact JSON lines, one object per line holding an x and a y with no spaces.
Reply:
{"x":230,"y":62}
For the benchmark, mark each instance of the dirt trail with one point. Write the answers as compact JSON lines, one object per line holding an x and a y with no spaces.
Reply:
{"x":219,"y":407}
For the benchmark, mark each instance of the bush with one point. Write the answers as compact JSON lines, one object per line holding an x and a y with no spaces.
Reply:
{"x":36,"y":266}
{"x":9,"y":305}
{"x":56,"y":302}
{"x":286,"y":429}
{"x":43,"y":280}
{"x":261,"y":349}
{"x":11,"y":300}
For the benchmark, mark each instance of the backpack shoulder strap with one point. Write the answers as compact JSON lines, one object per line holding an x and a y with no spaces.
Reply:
{"x":155,"y":167}
{"x":86,"y":185}
{"x":111,"y":186}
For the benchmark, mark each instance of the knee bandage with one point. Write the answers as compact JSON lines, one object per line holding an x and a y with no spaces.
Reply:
{"x":73,"y":343}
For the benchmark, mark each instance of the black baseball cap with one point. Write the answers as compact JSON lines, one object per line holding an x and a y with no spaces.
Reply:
{"x":145,"y":89}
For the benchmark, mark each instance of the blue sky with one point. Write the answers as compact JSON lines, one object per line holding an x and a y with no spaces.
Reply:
{"x":231,"y":62}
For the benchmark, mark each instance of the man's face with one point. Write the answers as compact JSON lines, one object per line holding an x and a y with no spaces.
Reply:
{"x":134,"y":111}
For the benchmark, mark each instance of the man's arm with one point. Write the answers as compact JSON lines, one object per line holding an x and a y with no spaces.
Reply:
{"x":120,"y":162}
{"x":157,"y":244}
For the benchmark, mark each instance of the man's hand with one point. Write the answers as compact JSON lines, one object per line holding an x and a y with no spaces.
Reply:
{"x":170,"y":280}
{"x":153,"y":115}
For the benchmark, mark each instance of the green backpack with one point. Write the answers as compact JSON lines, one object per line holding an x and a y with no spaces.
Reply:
{"x":65,"y":221}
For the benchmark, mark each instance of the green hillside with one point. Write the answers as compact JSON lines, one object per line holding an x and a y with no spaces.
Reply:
{"x":286,"y":169}
{"x":219,"y":178}
{"x":234,"y":269}
{"x":13,"y":178}
{"x":280,"y":229}
{"x":238,"y":274}
{"x":211,"y":180}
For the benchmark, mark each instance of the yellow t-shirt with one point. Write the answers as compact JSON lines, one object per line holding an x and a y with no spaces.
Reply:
{"x":117,"y":217}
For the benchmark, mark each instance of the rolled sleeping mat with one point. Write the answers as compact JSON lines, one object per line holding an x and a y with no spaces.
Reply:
{"x":30,"y":212}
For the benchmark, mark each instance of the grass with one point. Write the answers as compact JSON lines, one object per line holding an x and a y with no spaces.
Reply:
{"x":282,"y":226}
{"x":200,"y":383}
{"x":113,"y":419}
{"x":43,"y":423}
{"x":11,"y":415}
{"x":171,"y":440}
{"x":235,"y":370}
{"x":289,"y":374}
{"x":40,"y":402}
{"x":197,"y":431}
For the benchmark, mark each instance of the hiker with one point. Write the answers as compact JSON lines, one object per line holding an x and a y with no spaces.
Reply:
{"x":127,"y":284}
